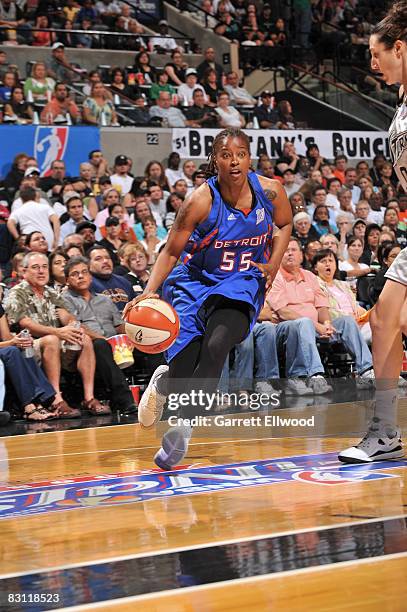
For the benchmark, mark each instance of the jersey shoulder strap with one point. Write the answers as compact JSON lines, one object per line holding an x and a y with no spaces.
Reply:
{"x":212,"y":219}
{"x":259,"y":191}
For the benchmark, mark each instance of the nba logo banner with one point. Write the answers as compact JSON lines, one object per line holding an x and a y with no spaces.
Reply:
{"x":47,"y":144}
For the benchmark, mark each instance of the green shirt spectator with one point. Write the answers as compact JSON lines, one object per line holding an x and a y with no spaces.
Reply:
{"x":162,"y":85}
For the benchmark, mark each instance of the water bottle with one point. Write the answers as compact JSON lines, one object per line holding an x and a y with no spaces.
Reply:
{"x":29,"y":351}
{"x":75,"y":346}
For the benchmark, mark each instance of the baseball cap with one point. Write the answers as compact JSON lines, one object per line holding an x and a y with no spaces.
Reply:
{"x":112,"y":221}
{"x":266,"y":93}
{"x":70,"y":195}
{"x":58,"y":45}
{"x":4,"y":212}
{"x":31,"y":171}
{"x":120,"y":159}
{"x":163,"y":22}
{"x":190,"y":71}
{"x":85,"y":225}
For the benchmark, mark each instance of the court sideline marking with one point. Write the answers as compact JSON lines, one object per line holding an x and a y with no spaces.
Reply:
{"x":102,"y":427}
{"x":231,"y":583}
{"x":135,"y":448}
{"x":226,"y":542}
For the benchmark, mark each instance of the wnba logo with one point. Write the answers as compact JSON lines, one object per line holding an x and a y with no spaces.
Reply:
{"x":49,"y":145}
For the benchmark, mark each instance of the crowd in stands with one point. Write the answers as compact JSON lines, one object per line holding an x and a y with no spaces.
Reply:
{"x":273,"y":24}
{"x":78,"y":248}
{"x":58,"y":92}
{"x":142,"y":94}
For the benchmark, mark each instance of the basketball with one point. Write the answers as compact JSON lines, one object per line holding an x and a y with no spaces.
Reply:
{"x":152,"y":325}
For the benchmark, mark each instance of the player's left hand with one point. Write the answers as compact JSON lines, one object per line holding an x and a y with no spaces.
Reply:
{"x":267,"y":272}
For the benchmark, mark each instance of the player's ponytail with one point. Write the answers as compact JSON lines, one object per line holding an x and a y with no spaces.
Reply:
{"x":394,"y":26}
{"x":211,"y":169}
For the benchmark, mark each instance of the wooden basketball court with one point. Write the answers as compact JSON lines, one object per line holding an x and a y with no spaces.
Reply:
{"x":258,"y":518}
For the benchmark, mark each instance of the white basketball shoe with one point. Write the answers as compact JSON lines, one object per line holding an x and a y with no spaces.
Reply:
{"x":382,"y":441}
{"x":151,"y":406}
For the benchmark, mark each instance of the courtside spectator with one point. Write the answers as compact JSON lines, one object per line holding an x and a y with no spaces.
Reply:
{"x":342,"y":302}
{"x":104,"y":282}
{"x":37,"y":307}
{"x":303,"y":311}
{"x":100,"y":320}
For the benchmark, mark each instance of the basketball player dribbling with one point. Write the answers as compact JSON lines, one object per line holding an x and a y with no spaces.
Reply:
{"x":223,"y":234}
{"x":388,"y":48}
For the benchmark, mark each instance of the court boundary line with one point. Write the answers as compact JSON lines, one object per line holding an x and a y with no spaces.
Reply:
{"x":226,"y":441}
{"x":133,"y":424}
{"x":231,"y":583}
{"x":177,"y":549}
{"x":135,"y":448}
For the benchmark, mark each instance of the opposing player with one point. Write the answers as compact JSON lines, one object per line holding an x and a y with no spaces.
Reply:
{"x":388,"y":47}
{"x":223,"y":234}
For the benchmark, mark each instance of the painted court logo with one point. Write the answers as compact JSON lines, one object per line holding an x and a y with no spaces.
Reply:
{"x":112,"y":489}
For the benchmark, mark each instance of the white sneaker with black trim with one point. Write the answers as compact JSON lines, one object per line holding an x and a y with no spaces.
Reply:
{"x":152,"y":402}
{"x":382,"y":441}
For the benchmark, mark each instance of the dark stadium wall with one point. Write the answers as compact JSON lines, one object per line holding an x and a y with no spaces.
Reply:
{"x":321,"y":116}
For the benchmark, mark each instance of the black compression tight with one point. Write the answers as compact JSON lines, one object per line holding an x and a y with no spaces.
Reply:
{"x":199,"y":365}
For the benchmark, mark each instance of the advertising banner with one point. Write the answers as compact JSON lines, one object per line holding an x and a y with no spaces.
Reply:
{"x":192,"y":143}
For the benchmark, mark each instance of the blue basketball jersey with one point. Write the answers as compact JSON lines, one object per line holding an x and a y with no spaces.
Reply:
{"x":225,"y":243}
{"x":216,"y":262}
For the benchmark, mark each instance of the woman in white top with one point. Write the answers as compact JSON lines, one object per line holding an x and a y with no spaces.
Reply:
{"x":351,"y":264}
{"x":228,"y":115}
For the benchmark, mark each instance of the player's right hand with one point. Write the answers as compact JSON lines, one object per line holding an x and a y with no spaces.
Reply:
{"x":139,"y":298}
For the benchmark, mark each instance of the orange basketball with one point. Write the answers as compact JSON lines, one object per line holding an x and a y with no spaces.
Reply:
{"x":152,"y":325}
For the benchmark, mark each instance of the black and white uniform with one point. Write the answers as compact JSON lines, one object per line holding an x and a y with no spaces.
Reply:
{"x":398,"y":150}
